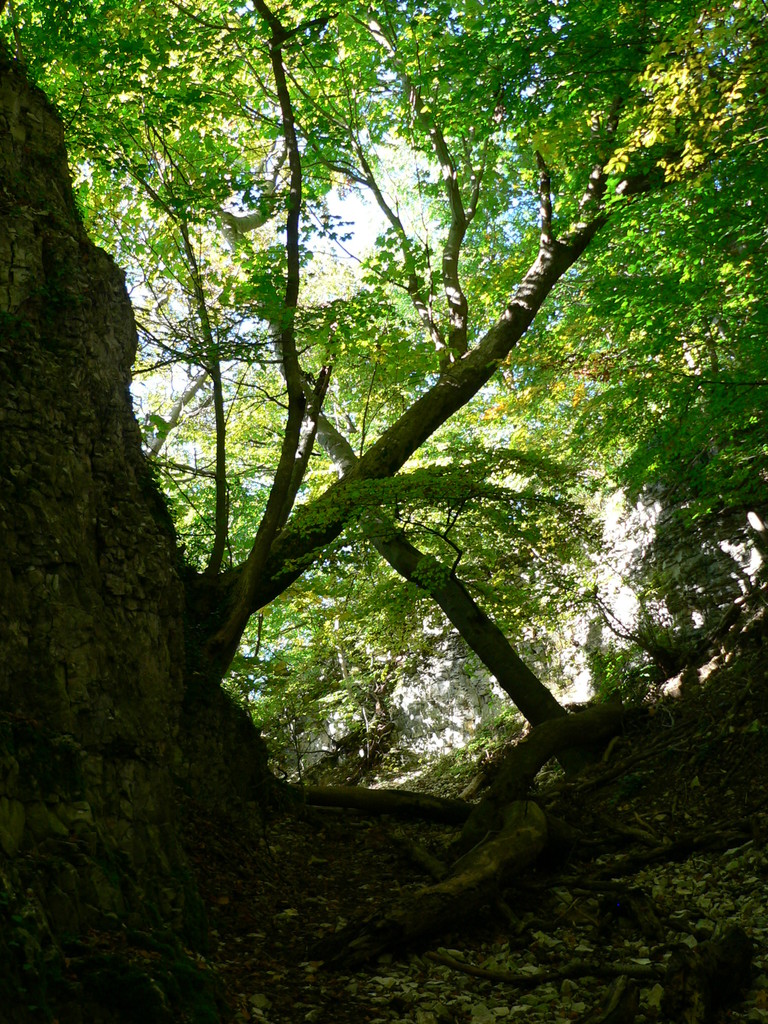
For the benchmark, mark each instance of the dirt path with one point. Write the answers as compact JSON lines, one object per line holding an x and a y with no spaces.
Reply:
{"x":664,"y":850}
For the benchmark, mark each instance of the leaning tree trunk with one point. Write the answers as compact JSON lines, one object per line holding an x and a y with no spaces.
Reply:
{"x":501,"y":837}
{"x":93,"y":700}
{"x":528,"y":693}
{"x":532,"y":698}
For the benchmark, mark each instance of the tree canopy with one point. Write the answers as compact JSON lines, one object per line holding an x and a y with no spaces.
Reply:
{"x":420,"y":279}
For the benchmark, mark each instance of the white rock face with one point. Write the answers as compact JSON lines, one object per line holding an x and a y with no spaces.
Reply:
{"x":441,"y":707}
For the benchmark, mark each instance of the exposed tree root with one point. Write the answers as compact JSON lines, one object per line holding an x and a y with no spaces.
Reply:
{"x":696,"y":981}
{"x":473,"y":882}
{"x":503,"y":835}
{"x":678,"y":849}
{"x":575,"y":969}
{"x":595,"y":725}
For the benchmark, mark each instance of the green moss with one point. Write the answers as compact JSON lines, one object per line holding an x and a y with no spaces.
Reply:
{"x":167,"y":989}
{"x":27,"y":972}
{"x":52,"y":761}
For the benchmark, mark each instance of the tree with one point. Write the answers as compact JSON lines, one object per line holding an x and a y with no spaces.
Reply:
{"x":362,"y":88}
{"x":478,"y":133}
{"x":344,"y":88}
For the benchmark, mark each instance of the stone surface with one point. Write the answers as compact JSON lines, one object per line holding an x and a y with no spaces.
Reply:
{"x":97,"y":727}
{"x":442,"y":704}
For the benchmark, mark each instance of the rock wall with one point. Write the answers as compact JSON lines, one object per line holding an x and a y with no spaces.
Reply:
{"x":91,"y":603}
{"x":666,"y":579}
{"x":434,"y":702}
{"x":442,"y":704}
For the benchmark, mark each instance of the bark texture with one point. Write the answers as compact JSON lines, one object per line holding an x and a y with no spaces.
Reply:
{"x":520,"y":766}
{"x":399,"y":802}
{"x":93,"y":689}
{"x":474,"y":881}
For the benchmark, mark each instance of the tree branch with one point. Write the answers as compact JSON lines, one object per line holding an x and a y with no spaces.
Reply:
{"x":545,"y":200}
{"x":223,"y":645}
{"x":460,"y":217}
{"x":316,"y":525}
{"x":415,"y":285}
{"x":364,"y":175}
{"x":155,"y":446}
{"x":309,"y":428}
{"x":236,"y":226}
{"x":458,"y":310}
{"x":221,"y":514}
{"x":221,"y":517}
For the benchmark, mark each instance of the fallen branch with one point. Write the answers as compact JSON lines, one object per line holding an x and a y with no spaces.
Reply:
{"x":398,"y":802}
{"x":532,"y":979}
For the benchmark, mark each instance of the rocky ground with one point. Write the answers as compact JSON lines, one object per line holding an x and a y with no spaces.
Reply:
{"x":661,"y":850}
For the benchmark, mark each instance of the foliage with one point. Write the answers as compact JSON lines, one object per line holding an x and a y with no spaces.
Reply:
{"x":485,"y":136}
{"x":657,"y":343}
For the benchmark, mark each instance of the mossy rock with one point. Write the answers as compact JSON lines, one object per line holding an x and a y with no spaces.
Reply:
{"x":168,"y":990}
{"x":12,"y":822}
{"x":48,"y":763}
{"x":29,"y":965}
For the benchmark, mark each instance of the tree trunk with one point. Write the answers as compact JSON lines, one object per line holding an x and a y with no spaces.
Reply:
{"x":528,"y":694}
{"x":479,"y":632}
{"x":398,"y":802}
{"x":519,"y":768}
{"x":473,"y":882}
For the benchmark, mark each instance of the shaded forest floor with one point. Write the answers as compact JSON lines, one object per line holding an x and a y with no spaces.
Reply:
{"x":663,"y":845}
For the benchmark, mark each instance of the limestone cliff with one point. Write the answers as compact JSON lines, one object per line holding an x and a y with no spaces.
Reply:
{"x":92,"y":665}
